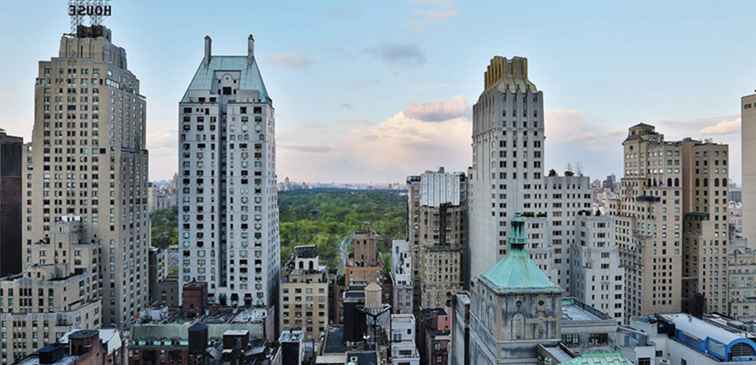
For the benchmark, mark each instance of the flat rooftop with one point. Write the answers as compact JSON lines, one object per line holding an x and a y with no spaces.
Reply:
{"x":573,"y":310}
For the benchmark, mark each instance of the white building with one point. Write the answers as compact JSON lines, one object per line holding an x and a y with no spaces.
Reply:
{"x":228,"y":214}
{"x":403,"y":348}
{"x":507,"y":177}
{"x":401,"y":275}
{"x":597,"y":277}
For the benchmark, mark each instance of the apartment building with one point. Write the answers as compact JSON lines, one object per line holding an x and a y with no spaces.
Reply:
{"x":88,"y":158}
{"x":59,"y":292}
{"x":363,"y":265}
{"x":437,"y":203}
{"x":401,"y":277}
{"x":10,"y":203}
{"x":228,"y":199}
{"x":304,"y":293}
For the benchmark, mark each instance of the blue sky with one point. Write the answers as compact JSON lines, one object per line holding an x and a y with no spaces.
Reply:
{"x":370,"y":91}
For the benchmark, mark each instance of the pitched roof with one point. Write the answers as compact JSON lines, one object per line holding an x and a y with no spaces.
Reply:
{"x":517,"y":271}
{"x":251,"y":79}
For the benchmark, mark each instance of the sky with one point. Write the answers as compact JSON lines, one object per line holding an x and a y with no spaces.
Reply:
{"x":374,"y":91}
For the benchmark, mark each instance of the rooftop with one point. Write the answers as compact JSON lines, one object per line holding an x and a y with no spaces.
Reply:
{"x":250,"y":79}
{"x":334,"y":341}
{"x":574,"y":310}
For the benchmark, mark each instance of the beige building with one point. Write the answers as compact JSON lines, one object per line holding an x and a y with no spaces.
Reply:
{"x":363,"y":265}
{"x":748,"y":143}
{"x":88,"y":158}
{"x":58,"y":293}
{"x":438,"y":234}
{"x":672,"y":224}
{"x":304,"y":293}
{"x":705,"y":224}
{"x":649,"y":222}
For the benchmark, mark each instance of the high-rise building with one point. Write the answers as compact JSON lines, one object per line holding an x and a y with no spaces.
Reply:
{"x":58,"y":292}
{"x":10,"y":203}
{"x":705,"y":170}
{"x":304,"y":293}
{"x":597,"y":279}
{"x":88,"y":158}
{"x":672,"y":224}
{"x":649,"y":221}
{"x":437,"y":203}
{"x":508,"y":148}
{"x":741,"y":280}
{"x":507,"y":176}
{"x":228,"y":200}
{"x":748,"y":143}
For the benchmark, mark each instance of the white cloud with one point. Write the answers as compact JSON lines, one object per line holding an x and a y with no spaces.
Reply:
{"x":406,"y":54}
{"x":729,"y":126}
{"x":430,"y":11}
{"x":438,"y":110}
{"x":291,"y":60}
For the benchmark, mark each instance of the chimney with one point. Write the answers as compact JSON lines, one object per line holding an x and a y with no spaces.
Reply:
{"x":208,"y":50}
{"x":250,"y":49}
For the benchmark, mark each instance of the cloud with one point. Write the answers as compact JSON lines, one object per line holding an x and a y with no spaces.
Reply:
{"x":438,"y":111}
{"x":291,"y":60}
{"x":399,"y":54}
{"x":307,"y":149}
{"x":433,"y":11}
{"x":729,"y":126}
{"x":384,"y":151}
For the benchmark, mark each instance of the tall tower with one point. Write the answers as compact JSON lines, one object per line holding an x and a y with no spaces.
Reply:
{"x":748,"y":135}
{"x":228,"y":199}
{"x":508,"y":147}
{"x":88,"y":159}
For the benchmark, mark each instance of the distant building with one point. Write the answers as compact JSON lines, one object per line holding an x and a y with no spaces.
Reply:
{"x":437,"y":211}
{"x":304,"y":293}
{"x":292,"y":347}
{"x":59,"y":292}
{"x":514,"y":307}
{"x":82,"y":347}
{"x":11,"y":157}
{"x":401,"y":276}
{"x":403,"y":348}
{"x":363,"y":265}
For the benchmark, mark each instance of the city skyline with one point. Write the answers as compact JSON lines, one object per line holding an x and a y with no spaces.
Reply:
{"x":344,"y":95}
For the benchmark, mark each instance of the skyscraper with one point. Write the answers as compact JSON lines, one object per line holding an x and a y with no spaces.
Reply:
{"x":10,"y":203}
{"x":88,"y":159}
{"x":748,"y":143}
{"x":671,"y":223}
{"x":228,"y":200}
{"x":507,"y":177}
{"x":437,"y":203}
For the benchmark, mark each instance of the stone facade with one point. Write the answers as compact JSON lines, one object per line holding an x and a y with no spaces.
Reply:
{"x":304,"y":294}
{"x":60,"y":292}
{"x":11,"y":150}
{"x":88,"y":157}
{"x":748,"y":143}
{"x":514,"y":308}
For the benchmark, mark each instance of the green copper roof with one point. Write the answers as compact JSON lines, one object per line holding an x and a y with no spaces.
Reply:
{"x":251,"y":79}
{"x":517,"y":271}
{"x":599,"y":358}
